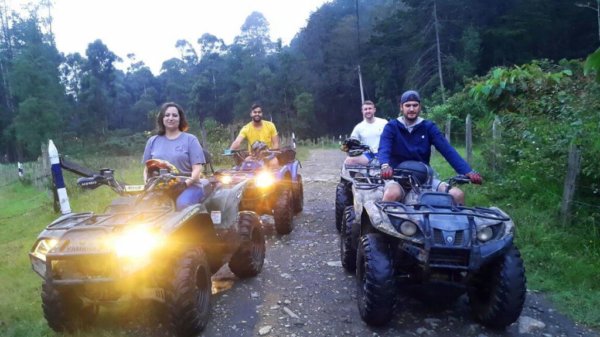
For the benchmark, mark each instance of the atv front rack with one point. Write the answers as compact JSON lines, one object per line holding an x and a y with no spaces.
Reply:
{"x":398,"y":209}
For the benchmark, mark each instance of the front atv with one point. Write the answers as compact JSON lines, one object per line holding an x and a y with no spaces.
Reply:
{"x":278,"y":191}
{"x":428,"y":240}
{"x":142,"y":248}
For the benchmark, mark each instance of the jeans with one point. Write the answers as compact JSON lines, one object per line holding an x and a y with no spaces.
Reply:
{"x":189,"y":196}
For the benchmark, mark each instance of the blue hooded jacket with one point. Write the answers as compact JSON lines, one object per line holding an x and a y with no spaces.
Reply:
{"x":397,"y":144}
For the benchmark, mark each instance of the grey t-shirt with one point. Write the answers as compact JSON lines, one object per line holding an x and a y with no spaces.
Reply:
{"x":183,"y":151}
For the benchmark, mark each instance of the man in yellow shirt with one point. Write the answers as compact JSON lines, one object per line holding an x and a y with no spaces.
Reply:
{"x":257,"y":130}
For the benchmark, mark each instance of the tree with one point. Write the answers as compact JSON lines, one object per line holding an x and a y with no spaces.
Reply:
{"x":98,"y":91}
{"x":36,"y":89}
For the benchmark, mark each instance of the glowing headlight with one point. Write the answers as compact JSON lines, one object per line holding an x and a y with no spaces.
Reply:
{"x":408,"y":228}
{"x":136,"y":242}
{"x":264,"y":179}
{"x":226,"y":179}
{"x":485,"y":234}
{"x":43,"y":247}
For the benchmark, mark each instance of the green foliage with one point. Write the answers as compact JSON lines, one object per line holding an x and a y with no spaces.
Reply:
{"x":307,"y":122}
{"x":592,"y":64}
{"x":543,"y":107}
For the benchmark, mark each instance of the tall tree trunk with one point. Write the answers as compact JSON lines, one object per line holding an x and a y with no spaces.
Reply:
{"x":439,"y":54}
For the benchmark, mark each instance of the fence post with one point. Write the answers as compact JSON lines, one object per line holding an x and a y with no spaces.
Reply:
{"x":40,"y":177}
{"x":469,"y":139}
{"x":57,"y":179}
{"x":496,"y":135}
{"x":20,"y":169}
{"x":569,"y":188}
{"x":448,"y":127}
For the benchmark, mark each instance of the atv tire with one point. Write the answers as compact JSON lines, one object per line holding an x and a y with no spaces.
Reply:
{"x":375,"y":280}
{"x":282,"y":212}
{"x":497,"y":292}
{"x":347,"y":251}
{"x":64,"y":311}
{"x":248,"y":259}
{"x":298,"y":194}
{"x":189,"y":293}
{"x":343,"y":199}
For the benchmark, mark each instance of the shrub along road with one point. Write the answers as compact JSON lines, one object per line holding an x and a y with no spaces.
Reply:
{"x":304,"y":291}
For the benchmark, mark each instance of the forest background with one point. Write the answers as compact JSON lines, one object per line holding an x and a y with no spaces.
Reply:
{"x":521,"y":62}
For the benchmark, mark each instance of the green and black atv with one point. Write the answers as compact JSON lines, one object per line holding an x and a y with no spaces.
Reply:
{"x":143,"y":248}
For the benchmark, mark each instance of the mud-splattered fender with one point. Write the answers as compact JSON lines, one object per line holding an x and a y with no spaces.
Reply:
{"x":363,"y":195}
{"x":378,"y":219}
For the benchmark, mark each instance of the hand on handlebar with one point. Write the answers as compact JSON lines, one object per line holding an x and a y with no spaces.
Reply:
{"x":475,"y":177}
{"x":387,"y":172}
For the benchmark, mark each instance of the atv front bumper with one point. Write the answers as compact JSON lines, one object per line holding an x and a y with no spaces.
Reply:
{"x":437,"y":257}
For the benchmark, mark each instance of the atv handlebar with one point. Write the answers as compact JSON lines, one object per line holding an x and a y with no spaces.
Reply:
{"x":105,"y":177}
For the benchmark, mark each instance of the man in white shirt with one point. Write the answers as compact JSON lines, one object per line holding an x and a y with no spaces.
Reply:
{"x":367,"y":132}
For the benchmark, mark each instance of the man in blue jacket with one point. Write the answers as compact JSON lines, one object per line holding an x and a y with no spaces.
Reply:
{"x":409,"y":137}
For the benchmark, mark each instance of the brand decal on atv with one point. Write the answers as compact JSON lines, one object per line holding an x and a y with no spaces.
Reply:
{"x":134,"y":188}
{"x":215,"y":216}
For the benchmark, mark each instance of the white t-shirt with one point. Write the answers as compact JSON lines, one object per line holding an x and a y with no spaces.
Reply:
{"x":369,"y":133}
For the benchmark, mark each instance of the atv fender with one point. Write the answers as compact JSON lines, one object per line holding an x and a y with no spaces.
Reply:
{"x":483,"y":254}
{"x":290,"y":170}
{"x":224,"y":204}
{"x":362,"y":195}
{"x":377,"y":219}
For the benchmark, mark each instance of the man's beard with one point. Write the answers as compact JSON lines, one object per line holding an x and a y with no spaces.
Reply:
{"x":256,"y":119}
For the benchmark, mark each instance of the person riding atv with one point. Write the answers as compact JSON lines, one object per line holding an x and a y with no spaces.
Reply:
{"x":271,"y":191}
{"x":143,"y":248}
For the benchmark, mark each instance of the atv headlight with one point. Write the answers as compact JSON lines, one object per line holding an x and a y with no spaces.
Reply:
{"x":485,"y":234}
{"x":226,"y":179}
{"x":43,"y":247}
{"x":264,"y":179}
{"x":408,"y":228}
{"x":136,"y":242}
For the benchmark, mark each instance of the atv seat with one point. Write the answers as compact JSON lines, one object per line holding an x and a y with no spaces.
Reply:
{"x":286,"y":155}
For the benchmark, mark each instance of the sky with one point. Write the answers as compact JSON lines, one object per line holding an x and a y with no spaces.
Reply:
{"x":150,"y":28}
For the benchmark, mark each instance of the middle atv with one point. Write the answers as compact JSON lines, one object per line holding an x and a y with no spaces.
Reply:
{"x":276,"y":191}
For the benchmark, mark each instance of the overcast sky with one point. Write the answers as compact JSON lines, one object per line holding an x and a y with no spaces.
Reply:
{"x":150,"y":28}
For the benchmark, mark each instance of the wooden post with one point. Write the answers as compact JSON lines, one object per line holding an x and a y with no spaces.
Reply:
{"x":496,"y":135}
{"x":569,"y":188}
{"x":469,"y":139}
{"x":448,"y":127}
{"x":41,"y":178}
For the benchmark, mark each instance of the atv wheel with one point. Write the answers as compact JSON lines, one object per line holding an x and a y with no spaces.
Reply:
{"x":64,"y":311}
{"x":347,"y":252}
{"x":343,"y":199}
{"x":374,"y":280}
{"x":497,"y":291}
{"x":248,"y":260}
{"x":282,"y":213}
{"x":298,"y":194}
{"x":189,"y":293}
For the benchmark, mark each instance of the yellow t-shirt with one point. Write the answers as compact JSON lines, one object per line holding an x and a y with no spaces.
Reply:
{"x":264,"y":134}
